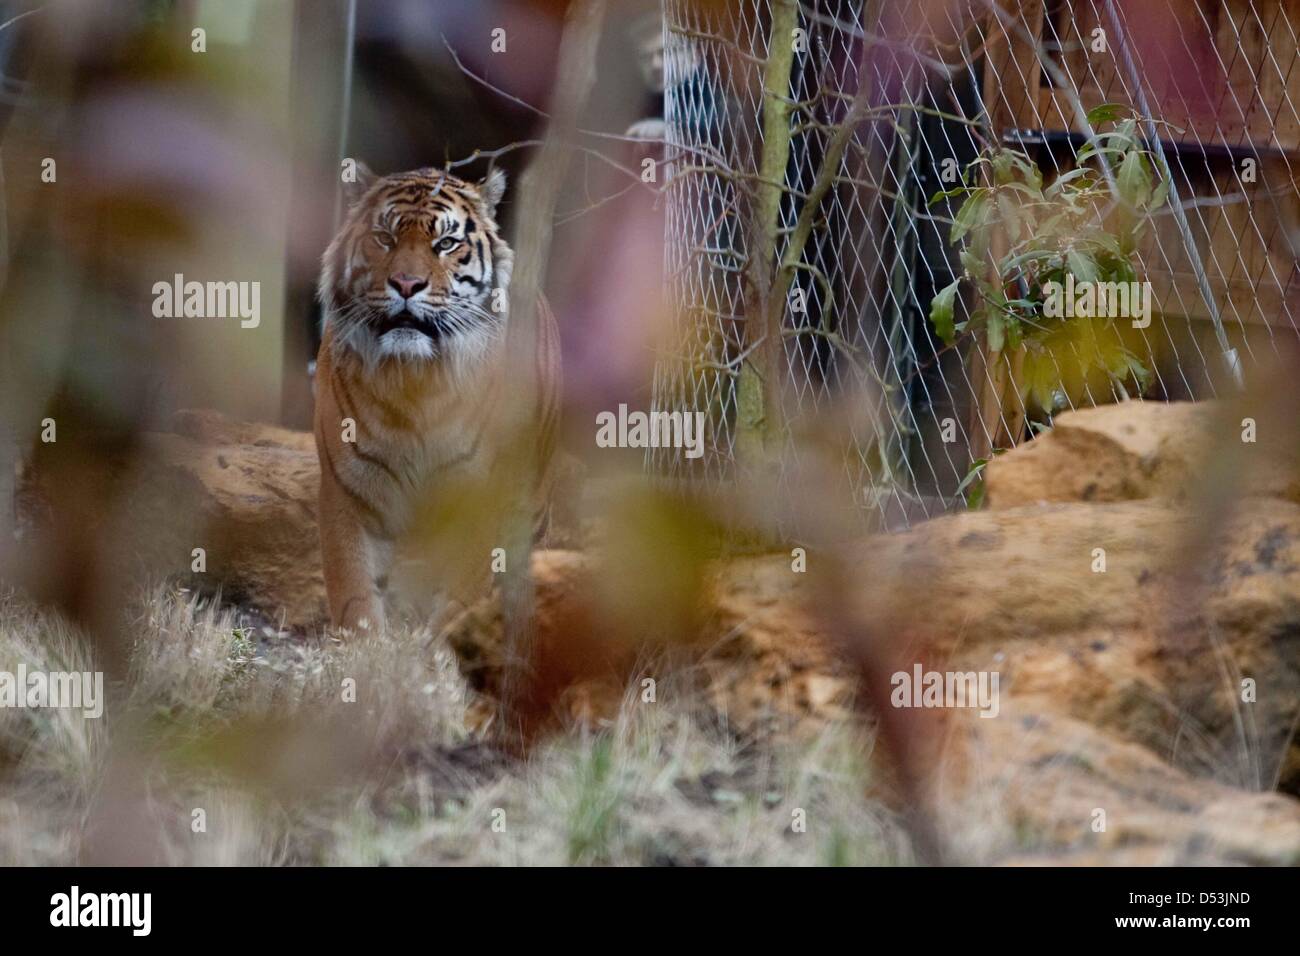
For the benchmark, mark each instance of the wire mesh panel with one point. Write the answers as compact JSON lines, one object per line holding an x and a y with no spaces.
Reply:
{"x":886,"y":104}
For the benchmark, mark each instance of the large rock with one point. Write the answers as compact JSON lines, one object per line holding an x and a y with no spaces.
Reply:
{"x":1064,"y":791}
{"x":1119,"y":690}
{"x":1154,"y":648}
{"x":1135,"y":450}
{"x":764,"y":666}
{"x":245,"y":494}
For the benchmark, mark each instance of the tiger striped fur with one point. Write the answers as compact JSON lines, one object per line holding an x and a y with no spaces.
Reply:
{"x":414,"y":296}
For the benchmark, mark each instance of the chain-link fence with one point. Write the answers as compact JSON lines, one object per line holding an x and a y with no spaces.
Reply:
{"x":1210,"y":86}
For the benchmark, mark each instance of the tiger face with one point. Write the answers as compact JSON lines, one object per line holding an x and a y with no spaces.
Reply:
{"x":418,"y":272}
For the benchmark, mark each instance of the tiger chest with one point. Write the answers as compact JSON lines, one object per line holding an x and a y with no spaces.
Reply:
{"x":447,"y":449}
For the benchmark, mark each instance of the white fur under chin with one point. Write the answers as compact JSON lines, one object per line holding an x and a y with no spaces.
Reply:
{"x":406,"y":345}
{"x":462,"y":354}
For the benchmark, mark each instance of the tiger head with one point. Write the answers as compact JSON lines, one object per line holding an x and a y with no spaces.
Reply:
{"x":418,"y":273}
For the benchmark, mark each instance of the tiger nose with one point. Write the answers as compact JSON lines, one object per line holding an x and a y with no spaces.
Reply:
{"x":406,"y":284}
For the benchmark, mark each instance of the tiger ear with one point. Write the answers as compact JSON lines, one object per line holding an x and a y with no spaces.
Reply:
{"x":357,"y":180}
{"x":492,"y":188}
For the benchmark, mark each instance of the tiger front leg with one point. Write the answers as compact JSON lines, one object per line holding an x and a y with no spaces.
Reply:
{"x":355,"y":563}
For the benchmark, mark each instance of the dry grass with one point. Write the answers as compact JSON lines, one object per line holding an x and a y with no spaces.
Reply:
{"x":232,"y":744}
{"x":256,"y":731}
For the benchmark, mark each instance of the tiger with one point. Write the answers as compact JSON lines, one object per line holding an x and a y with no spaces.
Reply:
{"x":410,"y":370}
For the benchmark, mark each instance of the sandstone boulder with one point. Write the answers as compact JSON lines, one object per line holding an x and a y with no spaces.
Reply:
{"x":1070,"y":793}
{"x":245,"y":494}
{"x":1112,"y":698}
{"x":763,"y":664}
{"x":1135,"y":450}
{"x":1154,"y":648}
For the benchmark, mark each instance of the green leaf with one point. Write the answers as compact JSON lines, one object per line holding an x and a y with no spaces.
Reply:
{"x":1106,"y":242}
{"x":1082,"y":265}
{"x":1127,"y":132}
{"x":1061,"y":181}
{"x":1134,"y":179}
{"x":1052,"y":225}
{"x":973,"y":212}
{"x":1010,"y":215}
{"x":1160,"y":195}
{"x":1011,"y":265}
{"x":1028,"y":169}
{"x":1141,"y":374}
{"x":1002,"y":162}
{"x":976,"y":467}
{"x":948,"y":193}
{"x":941,"y":310}
{"x":1029,"y":191}
{"x":1106,"y":113}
